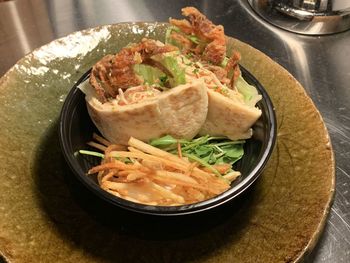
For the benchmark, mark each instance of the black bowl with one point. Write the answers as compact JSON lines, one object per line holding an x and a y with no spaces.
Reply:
{"x":76,"y":128}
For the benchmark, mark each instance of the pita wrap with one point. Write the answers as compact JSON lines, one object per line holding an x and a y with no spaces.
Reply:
{"x":179,"y":112}
{"x":227,"y":117}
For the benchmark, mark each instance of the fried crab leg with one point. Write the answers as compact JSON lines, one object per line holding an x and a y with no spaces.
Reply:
{"x":215,"y":50}
{"x":233,"y":66}
{"x":114,"y":72}
{"x":204,"y":29}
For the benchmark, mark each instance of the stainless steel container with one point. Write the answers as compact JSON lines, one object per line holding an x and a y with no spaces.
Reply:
{"x":311,"y":17}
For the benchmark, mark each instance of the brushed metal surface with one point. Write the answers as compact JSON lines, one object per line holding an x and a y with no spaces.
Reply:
{"x":321,"y":64}
{"x":305,"y":17}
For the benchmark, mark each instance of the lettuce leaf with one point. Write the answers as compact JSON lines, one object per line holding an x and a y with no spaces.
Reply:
{"x":170,"y":62}
{"x":151,"y":75}
{"x":249,"y":92}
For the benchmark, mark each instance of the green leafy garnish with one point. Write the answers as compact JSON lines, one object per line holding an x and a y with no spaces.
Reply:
{"x":207,"y":150}
{"x":92,"y":153}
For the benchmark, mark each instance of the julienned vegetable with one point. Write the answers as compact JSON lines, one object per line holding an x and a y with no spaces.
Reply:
{"x":206,"y":150}
{"x":149,"y":175}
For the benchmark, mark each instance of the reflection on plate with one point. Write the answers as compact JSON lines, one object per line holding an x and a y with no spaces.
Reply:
{"x":42,"y":212}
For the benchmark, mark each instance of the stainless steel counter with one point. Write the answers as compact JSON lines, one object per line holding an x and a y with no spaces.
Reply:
{"x":321,"y":64}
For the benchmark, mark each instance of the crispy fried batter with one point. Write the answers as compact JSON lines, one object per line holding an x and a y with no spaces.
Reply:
{"x":115,"y":72}
{"x":185,"y":42}
{"x":183,"y":24}
{"x":229,"y":74}
{"x":203,"y":28}
{"x":219,"y":72}
{"x":233,"y":65}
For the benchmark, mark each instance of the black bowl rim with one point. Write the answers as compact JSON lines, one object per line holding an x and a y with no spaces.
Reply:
{"x":170,"y":210}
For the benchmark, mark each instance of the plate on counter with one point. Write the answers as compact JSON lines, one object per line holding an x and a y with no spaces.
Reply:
{"x":42,"y":212}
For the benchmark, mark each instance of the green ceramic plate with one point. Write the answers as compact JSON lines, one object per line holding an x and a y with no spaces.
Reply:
{"x":41,"y":221}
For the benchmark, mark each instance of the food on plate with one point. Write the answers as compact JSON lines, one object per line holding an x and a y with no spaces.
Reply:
{"x":180,"y":88}
{"x":231,"y":101}
{"x":145,"y":174}
{"x":126,"y":97}
{"x":174,"y":115}
{"x":116,"y":72}
{"x":200,"y":36}
{"x":180,"y":112}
